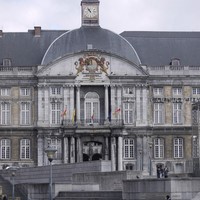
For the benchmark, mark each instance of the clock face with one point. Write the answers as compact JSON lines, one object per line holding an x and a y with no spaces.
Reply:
{"x":90,"y":11}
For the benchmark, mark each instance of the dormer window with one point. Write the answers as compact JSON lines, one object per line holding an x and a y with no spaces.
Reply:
{"x":6,"y":62}
{"x":175,"y":62}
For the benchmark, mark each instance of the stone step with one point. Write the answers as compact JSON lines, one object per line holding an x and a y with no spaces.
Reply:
{"x":95,"y":195}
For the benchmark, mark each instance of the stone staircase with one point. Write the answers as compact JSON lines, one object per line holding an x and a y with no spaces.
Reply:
{"x":90,"y":195}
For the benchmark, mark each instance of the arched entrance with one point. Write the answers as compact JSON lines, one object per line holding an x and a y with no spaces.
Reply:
{"x":97,"y":156}
{"x":92,"y":150}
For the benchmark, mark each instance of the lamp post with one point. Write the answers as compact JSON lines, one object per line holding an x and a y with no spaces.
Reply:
{"x":13,"y":185}
{"x":150,"y":157}
{"x":50,"y":154}
{"x":12,"y":170}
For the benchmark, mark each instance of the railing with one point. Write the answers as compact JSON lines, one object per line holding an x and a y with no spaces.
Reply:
{"x":91,"y":123}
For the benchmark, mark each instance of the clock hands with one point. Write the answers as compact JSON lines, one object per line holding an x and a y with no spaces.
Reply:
{"x":89,"y":10}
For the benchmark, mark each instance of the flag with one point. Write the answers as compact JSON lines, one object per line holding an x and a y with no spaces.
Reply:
{"x":64,"y":113}
{"x":73,"y":115}
{"x":116,"y":111}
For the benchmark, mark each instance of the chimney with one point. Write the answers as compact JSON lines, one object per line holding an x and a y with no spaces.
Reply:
{"x":1,"y":33}
{"x":37,"y":30}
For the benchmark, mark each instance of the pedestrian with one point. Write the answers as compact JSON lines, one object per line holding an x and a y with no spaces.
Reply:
{"x":5,"y":197}
{"x":166,"y":172}
{"x":168,"y":197}
{"x":158,"y":172}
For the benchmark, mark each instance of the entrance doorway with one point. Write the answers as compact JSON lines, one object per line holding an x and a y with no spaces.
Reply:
{"x":92,"y":150}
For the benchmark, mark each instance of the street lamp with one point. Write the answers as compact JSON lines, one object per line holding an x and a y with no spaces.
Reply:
{"x":13,"y":170}
{"x":150,"y":158}
{"x":50,"y":154}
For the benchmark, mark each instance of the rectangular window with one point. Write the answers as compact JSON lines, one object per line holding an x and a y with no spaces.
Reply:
{"x":158,"y":91}
{"x":195,"y":146}
{"x":25,"y":149}
{"x":128,"y":90}
{"x":5,"y":91}
{"x":159,"y":148}
{"x":25,"y":113}
{"x":129,"y":151}
{"x":177,"y":91}
{"x":128,"y":113}
{"x":177,"y":113}
{"x":56,"y":91}
{"x":196,"y":90}
{"x":5,"y":113}
{"x":5,"y":149}
{"x":25,"y":91}
{"x":178,"y":148}
{"x":55,"y":113}
{"x":158,"y":113}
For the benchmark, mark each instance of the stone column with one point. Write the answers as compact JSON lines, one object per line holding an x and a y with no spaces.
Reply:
{"x":66,"y":150}
{"x":78,"y":103}
{"x":66,"y":100}
{"x":41,"y":104}
{"x":113,"y":103}
{"x":72,"y":150}
{"x":71,"y":102}
{"x":46,"y":105}
{"x":120,"y":164}
{"x":145,"y":105}
{"x":138,"y":115}
{"x":40,"y":149}
{"x":145,"y":157}
{"x":119,"y":102}
{"x":139,"y":153}
{"x":106,"y":102}
{"x":113,"y":153}
{"x":106,"y":149}
{"x":79,"y":150}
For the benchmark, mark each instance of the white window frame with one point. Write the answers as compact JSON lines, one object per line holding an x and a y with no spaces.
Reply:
{"x":5,"y":113}
{"x":177,"y":113}
{"x":178,"y":147}
{"x":196,"y":91}
{"x":5,"y":91}
{"x":5,"y":148}
{"x":92,"y":107}
{"x":25,"y":113}
{"x":177,"y":91}
{"x":128,"y":112}
{"x":55,"y":113}
{"x":57,"y":90}
{"x":158,"y":91}
{"x":25,"y":147}
{"x":25,"y":91}
{"x":129,"y":148}
{"x":158,"y":148}
{"x":7,"y":62}
{"x":158,"y":113}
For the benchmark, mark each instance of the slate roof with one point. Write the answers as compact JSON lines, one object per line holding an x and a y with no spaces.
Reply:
{"x":152,"y":48}
{"x":158,"y":48}
{"x":101,"y":39}
{"x":24,"y":49}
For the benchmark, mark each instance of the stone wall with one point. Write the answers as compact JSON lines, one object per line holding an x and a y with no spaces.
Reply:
{"x":157,"y":189}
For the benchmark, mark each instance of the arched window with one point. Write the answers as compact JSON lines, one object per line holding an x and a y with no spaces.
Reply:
{"x":5,"y":149}
{"x":92,"y":107}
{"x":159,"y":148}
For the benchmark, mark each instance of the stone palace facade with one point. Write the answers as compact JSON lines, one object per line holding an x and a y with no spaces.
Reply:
{"x":93,"y":94}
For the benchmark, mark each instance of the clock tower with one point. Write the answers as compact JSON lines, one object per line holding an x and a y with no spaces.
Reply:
{"x":90,"y":12}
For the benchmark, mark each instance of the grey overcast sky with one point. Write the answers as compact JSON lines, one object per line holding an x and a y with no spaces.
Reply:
{"x":115,"y":15}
